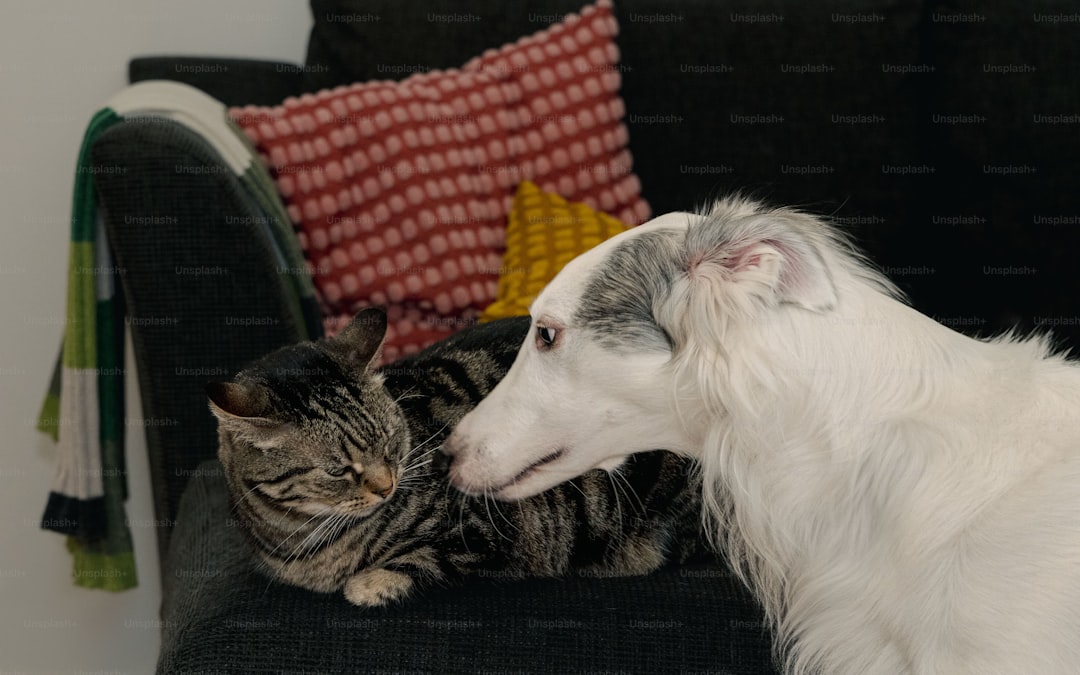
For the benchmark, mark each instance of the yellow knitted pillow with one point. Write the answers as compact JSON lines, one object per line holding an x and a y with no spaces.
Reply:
{"x":543,"y":233}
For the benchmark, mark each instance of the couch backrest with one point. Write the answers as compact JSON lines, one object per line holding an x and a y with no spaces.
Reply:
{"x":933,"y":134}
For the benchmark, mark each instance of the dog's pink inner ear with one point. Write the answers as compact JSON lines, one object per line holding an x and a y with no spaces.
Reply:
{"x":757,"y":255}
{"x":773,"y":257}
{"x":805,"y":279}
{"x":792,"y":268}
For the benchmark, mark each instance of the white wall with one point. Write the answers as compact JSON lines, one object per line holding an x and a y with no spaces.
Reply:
{"x":59,"y":61}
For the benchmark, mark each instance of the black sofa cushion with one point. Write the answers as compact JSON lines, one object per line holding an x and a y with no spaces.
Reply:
{"x":717,"y":97}
{"x":231,"y":81}
{"x":832,"y":106}
{"x":1004,"y":206}
{"x":221,"y":615}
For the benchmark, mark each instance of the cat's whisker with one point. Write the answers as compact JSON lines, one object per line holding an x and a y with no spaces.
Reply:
{"x":283,"y":518}
{"x":416,"y":465}
{"x":420,"y":458}
{"x":574,"y":484}
{"x":316,"y":535}
{"x":615,"y":494}
{"x":237,"y":502}
{"x":296,"y":551}
{"x":486,"y":497}
{"x":297,"y":530}
{"x":301,"y":526}
{"x":410,"y":482}
{"x":414,"y":449}
{"x":502,"y":515}
{"x":408,"y":393}
{"x":461,"y":515}
{"x":271,"y":574}
{"x":411,"y":462}
{"x":312,"y":536}
{"x":343,"y":522}
{"x":428,"y":440}
{"x":409,"y":455}
{"x":629,"y":491}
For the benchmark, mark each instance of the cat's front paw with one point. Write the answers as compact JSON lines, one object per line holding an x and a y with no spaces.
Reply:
{"x":377,"y":587}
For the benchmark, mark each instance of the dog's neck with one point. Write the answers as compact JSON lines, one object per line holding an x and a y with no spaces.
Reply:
{"x":826,"y":442}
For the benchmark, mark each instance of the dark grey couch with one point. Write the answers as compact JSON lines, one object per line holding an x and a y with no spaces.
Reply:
{"x":944,"y":137}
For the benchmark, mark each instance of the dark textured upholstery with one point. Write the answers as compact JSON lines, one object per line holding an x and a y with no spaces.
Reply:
{"x":1001,"y":251}
{"x":223,"y":616}
{"x":198,"y":273}
{"x":231,"y":81}
{"x":927,"y":127}
{"x":685,"y":143}
{"x":869,"y":133}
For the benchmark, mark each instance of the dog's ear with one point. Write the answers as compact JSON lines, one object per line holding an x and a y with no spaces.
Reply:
{"x":737,"y":262}
{"x":770,"y":258}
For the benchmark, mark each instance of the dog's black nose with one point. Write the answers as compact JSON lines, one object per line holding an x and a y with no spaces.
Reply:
{"x":440,"y":461}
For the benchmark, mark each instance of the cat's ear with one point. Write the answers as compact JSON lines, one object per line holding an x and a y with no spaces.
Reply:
{"x":249,"y":403}
{"x":361,"y":341}
{"x":245,"y":411}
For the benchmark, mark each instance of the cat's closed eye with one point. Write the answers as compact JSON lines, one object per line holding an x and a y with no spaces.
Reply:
{"x":335,"y":471}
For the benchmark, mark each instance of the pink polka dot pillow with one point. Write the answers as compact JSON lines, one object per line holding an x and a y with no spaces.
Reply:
{"x":400,"y":190}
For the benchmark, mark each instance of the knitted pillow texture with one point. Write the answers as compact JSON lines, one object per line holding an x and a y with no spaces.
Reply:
{"x":399,"y":191}
{"x":544,"y":232}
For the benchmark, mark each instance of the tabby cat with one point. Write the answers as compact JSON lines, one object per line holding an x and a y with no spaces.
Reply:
{"x":333,"y":469}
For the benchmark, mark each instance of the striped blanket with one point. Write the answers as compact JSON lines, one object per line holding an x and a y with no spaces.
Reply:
{"x":84,"y":408}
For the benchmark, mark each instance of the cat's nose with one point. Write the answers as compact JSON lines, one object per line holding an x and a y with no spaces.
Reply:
{"x":379,"y":481}
{"x":383,"y":491}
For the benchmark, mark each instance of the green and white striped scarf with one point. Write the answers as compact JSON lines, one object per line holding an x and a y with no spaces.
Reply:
{"x":84,"y":408}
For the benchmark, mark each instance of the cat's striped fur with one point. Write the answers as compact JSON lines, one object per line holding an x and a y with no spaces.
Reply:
{"x":331,"y":468}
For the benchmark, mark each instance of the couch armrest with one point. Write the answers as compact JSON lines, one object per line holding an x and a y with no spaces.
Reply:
{"x":231,"y":81}
{"x":201,"y":284}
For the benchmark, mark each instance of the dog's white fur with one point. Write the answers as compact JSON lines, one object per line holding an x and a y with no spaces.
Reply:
{"x":902,"y":498}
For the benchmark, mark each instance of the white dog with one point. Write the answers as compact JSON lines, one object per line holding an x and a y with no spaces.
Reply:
{"x":902,"y":498}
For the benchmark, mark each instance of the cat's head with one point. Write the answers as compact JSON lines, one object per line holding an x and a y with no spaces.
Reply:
{"x":311,"y":429}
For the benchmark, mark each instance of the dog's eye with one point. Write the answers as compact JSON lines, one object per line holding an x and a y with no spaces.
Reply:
{"x":546,"y":336}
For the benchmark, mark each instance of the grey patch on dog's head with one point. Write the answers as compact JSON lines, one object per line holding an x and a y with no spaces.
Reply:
{"x":617,"y":301}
